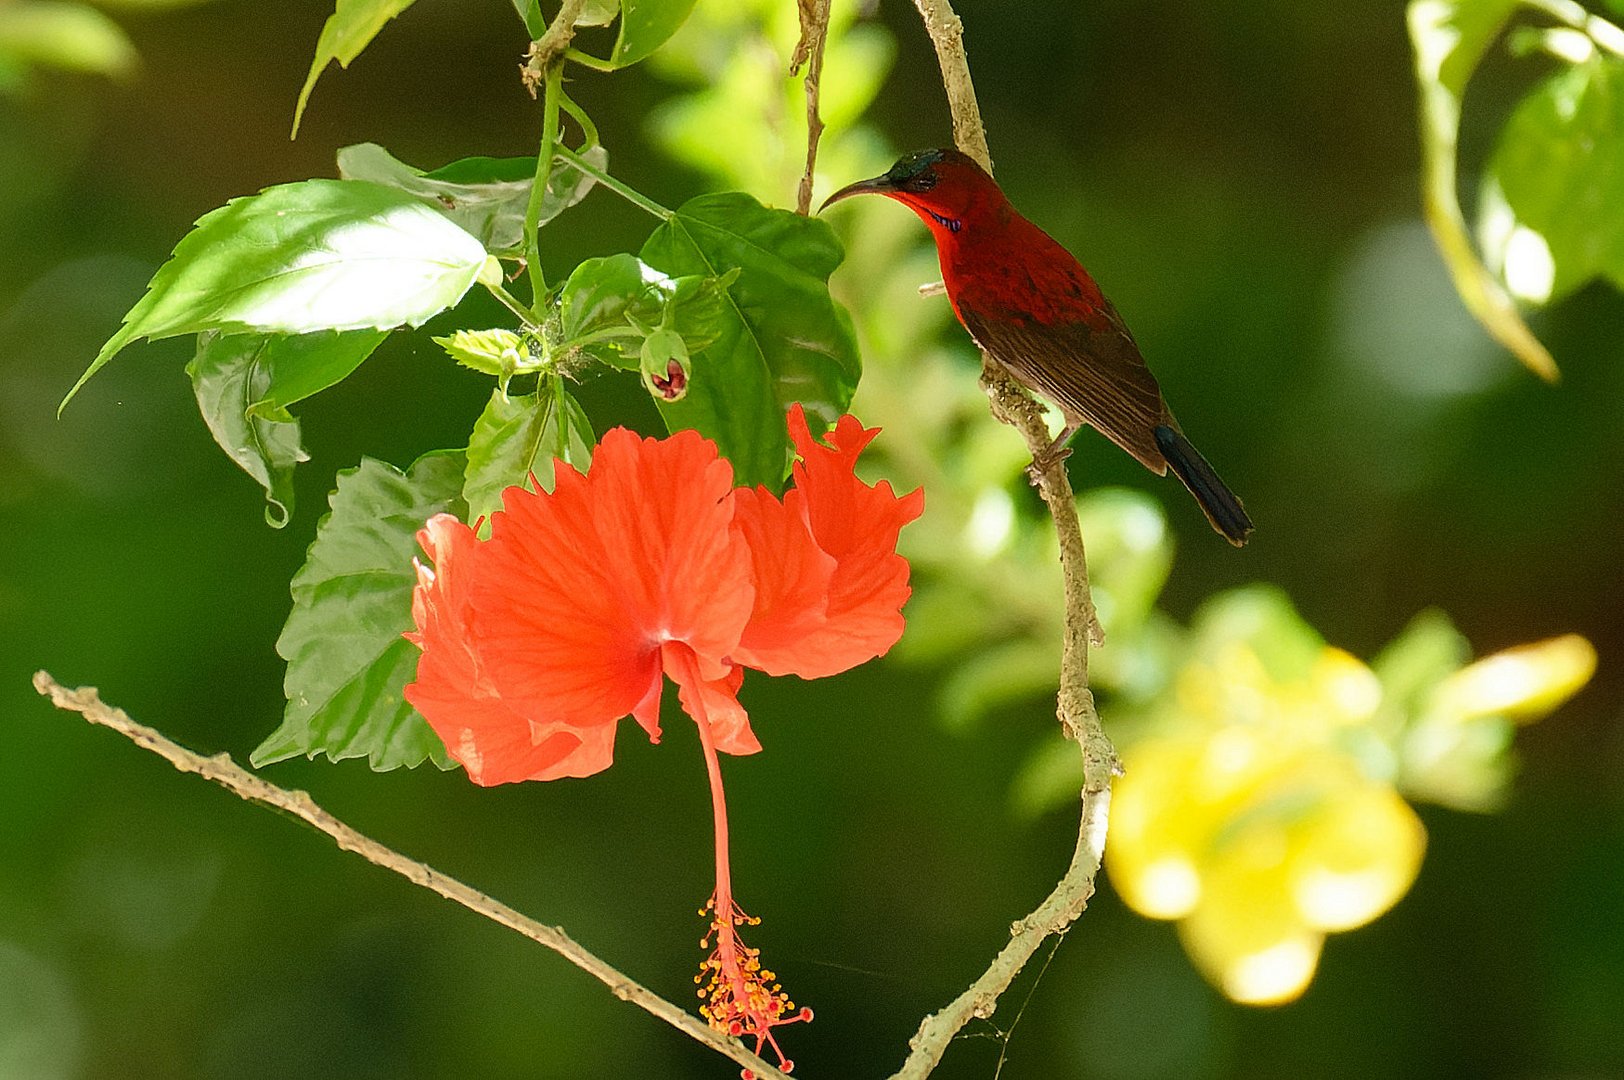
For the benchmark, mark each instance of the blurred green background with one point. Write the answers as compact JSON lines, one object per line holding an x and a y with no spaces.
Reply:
{"x":1243,"y":181}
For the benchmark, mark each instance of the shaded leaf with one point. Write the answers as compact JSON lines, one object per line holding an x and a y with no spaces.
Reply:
{"x":598,"y":295}
{"x":352,"y":600}
{"x":486,"y":197}
{"x":996,"y":676}
{"x":617,"y":298}
{"x":530,"y":12}
{"x":1049,"y":778}
{"x":1450,"y":38}
{"x":645,"y":25}
{"x":1552,"y":214}
{"x":347,"y":31}
{"x":228,"y":375}
{"x":304,"y":364}
{"x":782,"y":338}
{"x":316,"y":255}
{"x":516,"y":438}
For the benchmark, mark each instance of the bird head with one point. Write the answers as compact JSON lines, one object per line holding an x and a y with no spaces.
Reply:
{"x":944,"y":187}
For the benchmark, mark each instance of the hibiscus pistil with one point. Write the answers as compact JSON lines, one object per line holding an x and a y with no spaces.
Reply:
{"x":741,"y":998}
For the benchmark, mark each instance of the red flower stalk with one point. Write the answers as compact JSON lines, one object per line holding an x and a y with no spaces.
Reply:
{"x":651,"y":565}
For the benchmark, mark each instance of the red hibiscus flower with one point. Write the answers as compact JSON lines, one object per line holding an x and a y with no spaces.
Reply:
{"x":584,"y":600}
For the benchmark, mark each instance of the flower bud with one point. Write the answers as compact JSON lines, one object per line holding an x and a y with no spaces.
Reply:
{"x":665,"y":364}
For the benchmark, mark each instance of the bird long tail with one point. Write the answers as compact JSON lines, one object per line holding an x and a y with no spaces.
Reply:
{"x":1220,"y":505}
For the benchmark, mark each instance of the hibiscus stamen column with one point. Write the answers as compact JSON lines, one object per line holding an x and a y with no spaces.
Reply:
{"x":741,"y":997}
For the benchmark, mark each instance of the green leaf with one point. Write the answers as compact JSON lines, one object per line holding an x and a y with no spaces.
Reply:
{"x":1552,"y":212}
{"x":348,"y":30}
{"x":230,"y":374}
{"x":306,"y":364}
{"x":486,"y":197}
{"x":64,"y":35}
{"x":598,"y":13}
{"x":530,"y":12}
{"x":599,"y":293}
{"x":1050,"y":778}
{"x":645,"y":25}
{"x":352,"y":600}
{"x":516,"y":438}
{"x":494,"y":352}
{"x":615,"y":300}
{"x":996,"y":676}
{"x":1129,"y":555}
{"x":1450,"y":38}
{"x":1263,"y":618}
{"x":781,"y":337}
{"x":316,"y":255}
{"x":1411,"y":666}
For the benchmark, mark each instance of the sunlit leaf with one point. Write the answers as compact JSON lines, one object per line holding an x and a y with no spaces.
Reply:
{"x":1129,"y":554}
{"x":645,"y":25}
{"x":598,"y":13}
{"x":485,"y":196}
{"x":1450,"y":37}
{"x":64,"y":35}
{"x":520,"y":437}
{"x":1553,"y":209}
{"x":783,"y":339}
{"x":348,"y":30}
{"x":495,"y":352}
{"x":352,"y":600}
{"x":229,"y":374}
{"x":316,"y":255}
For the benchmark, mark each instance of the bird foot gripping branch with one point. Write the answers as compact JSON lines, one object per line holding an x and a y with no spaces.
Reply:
{"x":1033,"y":309}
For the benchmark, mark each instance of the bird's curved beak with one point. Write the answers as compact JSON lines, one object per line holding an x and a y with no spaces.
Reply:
{"x":879,"y":185}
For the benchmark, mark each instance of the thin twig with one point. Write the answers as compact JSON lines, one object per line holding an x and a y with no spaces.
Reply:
{"x":1075,"y":702}
{"x":239,"y":781}
{"x":809,"y":51}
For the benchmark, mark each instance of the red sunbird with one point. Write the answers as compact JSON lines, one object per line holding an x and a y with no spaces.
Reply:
{"x":1032,"y":307}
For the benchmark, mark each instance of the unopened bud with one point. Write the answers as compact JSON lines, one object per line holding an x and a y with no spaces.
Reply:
{"x":665,"y":365}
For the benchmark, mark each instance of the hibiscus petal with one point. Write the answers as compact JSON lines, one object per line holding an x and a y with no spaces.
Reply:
{"x":792,"y":576}
{"x":714,"y":703}
{"x":494,"y":742}
{"x":857,"y":527}
{"x":581,"y":587}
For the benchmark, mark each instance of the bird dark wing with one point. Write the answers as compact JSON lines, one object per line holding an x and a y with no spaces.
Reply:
{"x":1091,"y":370}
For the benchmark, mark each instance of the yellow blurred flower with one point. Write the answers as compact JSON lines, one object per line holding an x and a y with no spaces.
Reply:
{"x":1254,"y":825}
{"x":1523,"y":683}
